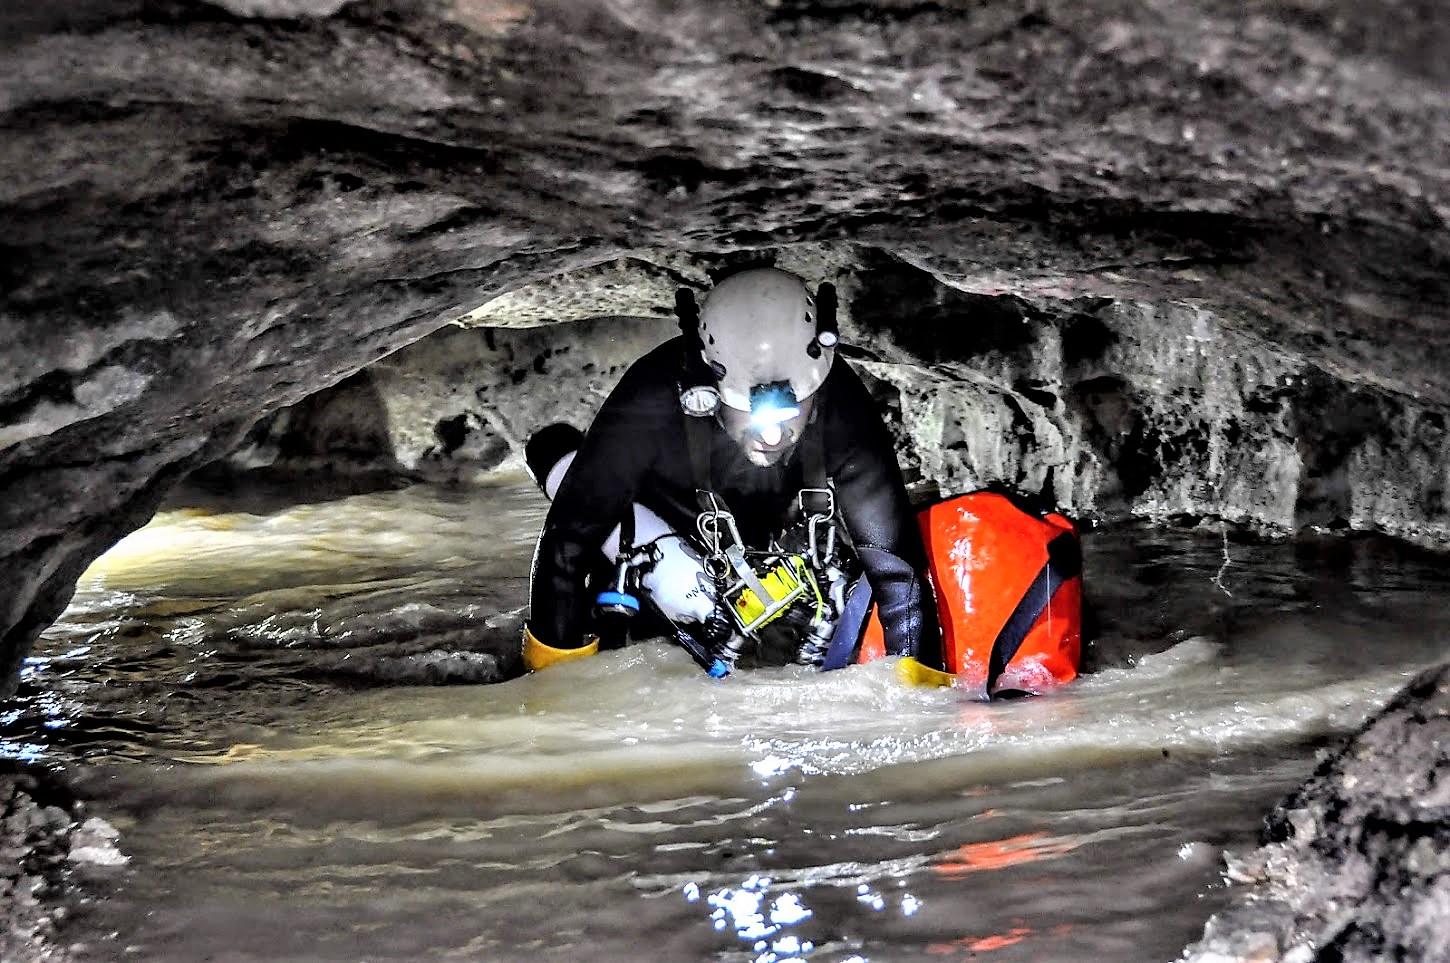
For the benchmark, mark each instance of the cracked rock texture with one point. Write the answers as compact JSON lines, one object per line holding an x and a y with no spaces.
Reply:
{"x":1110,"y":407}
{"x":1160,"y":257}
{"x":51,"y":855}
{"x":214,"y":210}
{"x":1356,"y":865}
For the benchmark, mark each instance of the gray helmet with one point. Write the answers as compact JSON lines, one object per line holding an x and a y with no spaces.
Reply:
{"x":760,"y":336}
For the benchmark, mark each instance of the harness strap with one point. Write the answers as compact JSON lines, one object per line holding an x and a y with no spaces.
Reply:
{"x":697,"y":439}
{"x":815,"y":485}
{"x":849,"y":627}
{"x":626,"y":533}
{"x":813,"y":450}
{"x":1064,"y":563}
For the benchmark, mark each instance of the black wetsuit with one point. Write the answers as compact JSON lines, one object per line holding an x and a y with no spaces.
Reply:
{"x":638,"y":449}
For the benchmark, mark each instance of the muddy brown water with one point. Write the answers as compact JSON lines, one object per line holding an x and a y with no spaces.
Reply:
{"x":243,"y":694}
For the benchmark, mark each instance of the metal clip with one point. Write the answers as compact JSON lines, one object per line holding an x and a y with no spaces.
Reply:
{"x":830,"y":496}
{"x":822,"y":551}
{"x":715,"y":524}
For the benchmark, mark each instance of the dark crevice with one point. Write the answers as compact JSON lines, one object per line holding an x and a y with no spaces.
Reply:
{"x":937,"y":323}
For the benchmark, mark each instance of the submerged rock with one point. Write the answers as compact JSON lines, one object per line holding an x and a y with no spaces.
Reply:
{"x":47,"y":844}
{"x":94,"y":842}
{"x":1356,"y":863}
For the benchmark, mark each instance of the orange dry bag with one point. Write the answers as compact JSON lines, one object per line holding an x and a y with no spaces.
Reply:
{"x":1008,"y":587}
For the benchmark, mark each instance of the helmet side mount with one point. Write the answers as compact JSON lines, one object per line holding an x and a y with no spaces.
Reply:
{"x":827,"y":333}
{"x":699,"y":398}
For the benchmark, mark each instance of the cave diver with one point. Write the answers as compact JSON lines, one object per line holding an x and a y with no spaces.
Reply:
{"x":740,"y":480}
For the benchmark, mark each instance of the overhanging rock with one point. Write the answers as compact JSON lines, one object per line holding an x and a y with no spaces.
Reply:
{"x":214,"y":210}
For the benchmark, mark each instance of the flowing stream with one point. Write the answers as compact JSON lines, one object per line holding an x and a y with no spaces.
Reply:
{"x":247,"y":693}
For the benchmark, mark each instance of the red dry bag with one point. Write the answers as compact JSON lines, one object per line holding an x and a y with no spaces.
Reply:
{"x":1008,"y":587}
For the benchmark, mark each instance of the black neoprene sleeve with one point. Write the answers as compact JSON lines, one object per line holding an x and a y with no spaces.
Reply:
{"x":617,"y":452}
{"x":861,"y":460}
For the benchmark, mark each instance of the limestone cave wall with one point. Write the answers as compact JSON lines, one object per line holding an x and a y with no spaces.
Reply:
{"x":215,"y":209}
{"x":1110,"y":407}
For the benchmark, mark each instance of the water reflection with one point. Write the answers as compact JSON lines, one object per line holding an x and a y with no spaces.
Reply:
{"x":759,"y":924}
{"x":761,"y":915}
{"x":771,"y":915}
{"x":233,"y":689}
{"x":1000,"y":853}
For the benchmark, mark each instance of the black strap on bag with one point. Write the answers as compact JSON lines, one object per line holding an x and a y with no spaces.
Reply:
{"x":1064,"y":563}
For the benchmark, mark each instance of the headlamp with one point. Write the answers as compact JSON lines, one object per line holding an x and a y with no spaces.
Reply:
{"x":772,"y":404}
{"x":700,"y":401}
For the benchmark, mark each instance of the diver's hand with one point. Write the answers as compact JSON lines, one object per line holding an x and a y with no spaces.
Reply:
{"x":537,"y":655}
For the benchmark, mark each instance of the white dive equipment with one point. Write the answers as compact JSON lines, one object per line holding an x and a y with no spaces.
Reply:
{"x":750,"y":590}
{"x":700,"y":401}
{"x":672,"y":580}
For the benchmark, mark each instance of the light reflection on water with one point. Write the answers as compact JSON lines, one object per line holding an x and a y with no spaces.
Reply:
{"x":232,"y":683}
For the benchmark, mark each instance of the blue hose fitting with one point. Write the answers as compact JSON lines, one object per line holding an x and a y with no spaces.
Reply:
{"x":617,"y":603}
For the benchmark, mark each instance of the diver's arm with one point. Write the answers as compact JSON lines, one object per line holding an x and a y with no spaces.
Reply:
{"x":861,"y":460}
{"x":598,"y":489}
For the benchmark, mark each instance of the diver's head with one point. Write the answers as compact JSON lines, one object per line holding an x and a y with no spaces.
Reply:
{"x":759,"y":335}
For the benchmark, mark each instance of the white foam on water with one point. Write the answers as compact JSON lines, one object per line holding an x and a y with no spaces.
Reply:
{"x":571,"y":810}
{"x":645,"y":724}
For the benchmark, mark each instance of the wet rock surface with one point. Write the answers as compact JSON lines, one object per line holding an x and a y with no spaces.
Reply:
{"x":53,"y":857}
{"x":1108,"y":408}
{"x":1356,"y":863}
{"x":299,"y":187}
{"x":1157,"y":258}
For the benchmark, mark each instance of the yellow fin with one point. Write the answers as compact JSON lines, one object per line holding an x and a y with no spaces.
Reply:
{"x":912,"y":672}
{"x":537,"y":655}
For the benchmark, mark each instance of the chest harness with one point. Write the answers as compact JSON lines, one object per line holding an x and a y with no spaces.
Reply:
{"x":797,"y":584}
{"x":798,"y":581}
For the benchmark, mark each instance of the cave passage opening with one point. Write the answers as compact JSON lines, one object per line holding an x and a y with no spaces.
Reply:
{"x":274,"y":691}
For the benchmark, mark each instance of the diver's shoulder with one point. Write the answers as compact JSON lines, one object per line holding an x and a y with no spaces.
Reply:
{"x":667,"y":355}
{"x":660,"y":365}
{"x":655,"y":374}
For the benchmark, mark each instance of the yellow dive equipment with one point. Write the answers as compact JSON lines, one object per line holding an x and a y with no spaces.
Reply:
{"x":537,"y":655}
{"x":912,"y":672}
{"x":757,"y":601}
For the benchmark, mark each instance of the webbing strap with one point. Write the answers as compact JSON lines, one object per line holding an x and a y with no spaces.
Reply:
{"x":626,"y":533}
{"x":813,"y":452}
{"x":1064,"y":562}
{"x":697,"y":439}
{"x":849,"y":627}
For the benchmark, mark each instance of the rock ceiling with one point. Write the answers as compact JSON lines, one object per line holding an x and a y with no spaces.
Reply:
{"x":215,"y":209}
